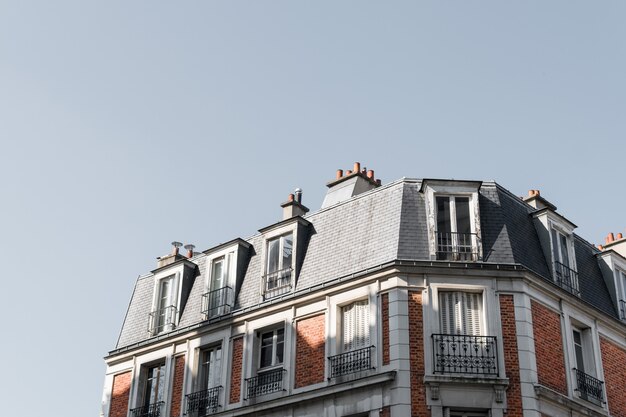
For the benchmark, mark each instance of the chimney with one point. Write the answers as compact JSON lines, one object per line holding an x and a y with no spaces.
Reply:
{"x":535,"y":199}
{"x":190,"y":249}
{"x":293,"y":206}
{"x":616,"y":243}
{"x":354,"y":182}
{"x":172,"y":257}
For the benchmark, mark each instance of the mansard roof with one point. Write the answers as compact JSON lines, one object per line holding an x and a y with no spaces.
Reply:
{"x":378,"y":227}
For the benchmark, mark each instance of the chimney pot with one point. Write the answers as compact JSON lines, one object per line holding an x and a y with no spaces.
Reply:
{"x":290,"y":197}
{"x":339,"y":173}
{"x":175,"y":246}
{"x":600,"y":247}
{"x":610,"y":238}
{"x":357,"y":167}
{"x":619,"y":236}
{"x":298,"y":193}
{"x":370,"y":174}
{"x":348,"y":172}
{"x":378,"y":182}
{"x":190,"y":249}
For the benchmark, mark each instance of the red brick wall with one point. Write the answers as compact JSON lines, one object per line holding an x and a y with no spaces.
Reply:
{"x":614,"y":364}
{"x":416,"y":351}
{"x":235,"y":376}
{"x":511,"y":358}
{"x":549,"y":347}
{"x":384,"y":301}
{"x":310,"y":351}
{"x":120,"y":394}
{"x":177,"y":385}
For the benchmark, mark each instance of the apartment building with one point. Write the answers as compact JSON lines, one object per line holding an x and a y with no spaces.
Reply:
{"x":421,"y":297}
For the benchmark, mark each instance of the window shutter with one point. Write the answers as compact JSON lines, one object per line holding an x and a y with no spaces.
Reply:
{"x":460,"y":312}
{"x":356,"y":326}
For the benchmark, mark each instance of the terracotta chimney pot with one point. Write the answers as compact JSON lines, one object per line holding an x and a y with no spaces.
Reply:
{"x":610,"y":238}
{"x":370,"y":174}
{"x":619,"y":236}
{"x":357,"y":167}
{"x":339,"y":174}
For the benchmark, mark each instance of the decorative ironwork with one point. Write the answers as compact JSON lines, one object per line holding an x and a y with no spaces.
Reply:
{"x":149,"y":410}
{"x":163,"y":319}
{"x":465,"y":354}
{"x":566,"y":278}
{"x":452,"y":246}
{"x":265,"y":383}
{"x":351,"y":362}
{"x":217,"y":302}
{"x":622,"y":309}
{"x":203,"y":403}
{"x":277,"y":283}
{"x":588,"y":387}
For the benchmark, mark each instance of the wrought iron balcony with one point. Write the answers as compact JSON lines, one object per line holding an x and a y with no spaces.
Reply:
{"x":265,"y":383}
{"x":277,"y":283}
{"x":566,"y":278}
{"x":588,"y":387}
{"x":217,"y":302}
{"x":622,"y":309}
{"x":351,"y":362}
{"x":452,"y":246}
{"x":150,"y":410}
{"x":203,"y":403}
{"x":162,"y":320}
{"x":465,"y":354}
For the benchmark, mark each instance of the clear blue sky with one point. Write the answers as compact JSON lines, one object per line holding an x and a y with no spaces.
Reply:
{"x":125,"y":125}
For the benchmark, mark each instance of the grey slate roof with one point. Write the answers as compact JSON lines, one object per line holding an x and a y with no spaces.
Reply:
{"x":376,"y":227}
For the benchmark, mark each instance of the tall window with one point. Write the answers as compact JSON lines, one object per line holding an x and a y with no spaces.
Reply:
{"x":460,"y":312}
{"x":356,"y":327}
{"x":565,"y":275}
{"x":455,"y":240}
{"x":278,"y":268}
{"x":560,"y":248}
{"x":621,"y":278}
{"x":588,"y":387}
{"x":272,"y":348}
{"x":210,"y":367}
{"x":163,"y":319}
{"x":155,"y":385}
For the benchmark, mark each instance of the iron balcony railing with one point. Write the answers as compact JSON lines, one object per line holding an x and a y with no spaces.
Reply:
{"x":452,"y":246}
{"x":203,"y":403}
{"x":588,"y":387}
{"x":265,"y":383}
{"x":217,"y":302}
{"x":162,"y":320}
{"x":566,"y":278}
{"x":149,"y":410}
{"x":465,"y":354}
{"x":277,"y":283}
{"x":351,"y":362}
{"x":622,"y":309}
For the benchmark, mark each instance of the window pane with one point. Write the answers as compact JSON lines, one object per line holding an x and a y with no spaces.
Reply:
{"x":280,"y":345}
{"x":287,"y":249}
{"x":216,"y":274}
{"x":555,"y":246}
{"x":443,"y":215}
{"x":272,"y":255}
{"x":578,"y":348}
{"x":462,"y":215}
{"x":564,"y":254}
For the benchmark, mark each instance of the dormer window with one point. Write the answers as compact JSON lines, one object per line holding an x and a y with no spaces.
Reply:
{"x":621,"y":279}
{"x":565,"y":273}
{"x":225,"y":267}
{"x":279,"y":265}
{"x":164,"y":313}
{"x":453,"y":219}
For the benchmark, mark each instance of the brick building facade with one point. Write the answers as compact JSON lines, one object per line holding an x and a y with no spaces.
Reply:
{"x":421,"y":297}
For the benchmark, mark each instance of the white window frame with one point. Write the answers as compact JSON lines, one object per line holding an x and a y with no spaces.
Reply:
{"x":365,"y":310}
{"x":228,"y":257}
{"x":620,"y":278}
{"x":560,"y":231}
{"x":202,"y":382}
{"x":453,"y":190}
{"x":174,"y":276}
{"x":460,"y":317}
{"x":274,"y":363}
{"x":279,"y":233}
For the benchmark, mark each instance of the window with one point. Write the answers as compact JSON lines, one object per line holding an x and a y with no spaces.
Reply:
{"x":219,"y":299}
{"x":163,"y":318}
{"x":588,"y":387}
{"x":356,"y":349}
{"x":152,"y":392}
{"x":461,"y":312}
{"x":206,"y":399}
{"x":278,"y":269}
{"x":565,"y":275}
{"x":455,"y":240}
{"x":356,"y":326}
{"x":462,"y":347}
{"x":621,"y":279}
{"x":271,"y":348}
